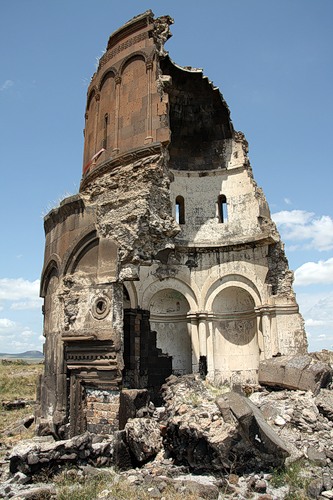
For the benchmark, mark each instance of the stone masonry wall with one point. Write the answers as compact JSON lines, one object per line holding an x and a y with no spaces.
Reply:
{"x":102,"y":410}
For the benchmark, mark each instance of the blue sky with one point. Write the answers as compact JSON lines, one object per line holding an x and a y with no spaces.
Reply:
{"x":273,"y":62}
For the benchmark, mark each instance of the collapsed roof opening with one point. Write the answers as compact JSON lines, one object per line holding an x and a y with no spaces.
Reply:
{"x":199,"y":120}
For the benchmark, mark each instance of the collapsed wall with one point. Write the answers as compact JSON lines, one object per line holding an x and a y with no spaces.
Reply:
{"x":167,"y":261}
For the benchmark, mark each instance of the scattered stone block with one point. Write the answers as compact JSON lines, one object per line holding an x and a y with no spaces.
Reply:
{"x":298,"y":372}
{"x":315,"y":488}
{"x":131,"y":400}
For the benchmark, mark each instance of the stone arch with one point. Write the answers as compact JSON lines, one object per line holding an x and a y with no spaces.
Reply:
{"x":90,"y":126}
{"x":49,"y":289}
{"x":79,"y":248}
{"x":175,"y":284}
{"x":138,"y":55}
{"x":168,"y":318}
{"x":132,"y":293}
{"x":52,"y":268}
{"x":90,"y":97}
{"x":133,"y":104}
{"x":106,"y":133}
{"x":213,"y":287}
{"x":235,"y":334}
{"x":110,"y":72}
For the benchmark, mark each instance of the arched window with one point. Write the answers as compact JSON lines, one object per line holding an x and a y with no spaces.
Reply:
{"x":105,"y":132}
{"x":180,"y":210}
{"x":222,"y":208}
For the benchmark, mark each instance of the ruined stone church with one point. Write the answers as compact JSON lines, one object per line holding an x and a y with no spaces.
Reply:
{"x":167,"y":260}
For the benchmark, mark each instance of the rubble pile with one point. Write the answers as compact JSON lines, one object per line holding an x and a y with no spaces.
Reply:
{"x":205,"y":441}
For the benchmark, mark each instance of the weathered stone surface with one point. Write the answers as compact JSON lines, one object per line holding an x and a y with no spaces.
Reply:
{"x":20,"y":426}
{"x":150,"y":240}
{"x":315,"y":488}
{"x":307,"y":431}
{"x":197,"y":438}
{"x":324,"y":403}
{"x":295,"y":372}
{"x":32,"y":455}
{"x":316,"y":456}
{"x":131,"y":400}
{"x":121,"y":453}
{"x":39,"y":492}
{"x":253,"y":424}
{"x":143,"y":438}
{"x":13,"y":405}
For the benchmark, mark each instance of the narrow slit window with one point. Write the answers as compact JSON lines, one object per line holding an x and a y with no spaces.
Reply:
{"x":180,"y":210}
{"x":222,"y":208}
{"x":105,"y":133}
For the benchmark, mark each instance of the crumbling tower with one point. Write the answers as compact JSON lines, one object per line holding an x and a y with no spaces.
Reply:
{"x":167,"y":261}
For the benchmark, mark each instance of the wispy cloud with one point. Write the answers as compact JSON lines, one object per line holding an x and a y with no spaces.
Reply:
{"x":7,"y":325}
{"x":305,"y":229}
{"x":311,"y":273}
{"x":6,"y":85}
{"x":29,"y":304}
{"x":317,"y":310}
{"x":15,"y":337}
{"x":22,"y":294}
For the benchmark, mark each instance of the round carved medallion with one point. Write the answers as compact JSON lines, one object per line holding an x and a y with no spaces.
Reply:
{"x":101,"y":307}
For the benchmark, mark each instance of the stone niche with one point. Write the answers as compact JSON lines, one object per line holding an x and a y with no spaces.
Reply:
{"x":167,"y":260}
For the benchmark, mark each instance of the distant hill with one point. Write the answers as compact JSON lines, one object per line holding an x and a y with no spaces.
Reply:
{"x":26,"y":354}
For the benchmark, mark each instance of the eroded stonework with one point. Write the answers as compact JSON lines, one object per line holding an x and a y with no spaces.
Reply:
{"x":167,"y":261}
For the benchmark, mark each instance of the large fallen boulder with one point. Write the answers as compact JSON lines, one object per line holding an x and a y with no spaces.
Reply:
{"x":298,"y":372}
{"x":223,"y":435}
{"x":131,"y":402}
{"x":257,"y":431}
{"x":143,"y":438}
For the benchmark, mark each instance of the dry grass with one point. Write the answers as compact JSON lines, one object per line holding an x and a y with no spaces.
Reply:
{"x":110,"y":486}
{"x":17,"y":381}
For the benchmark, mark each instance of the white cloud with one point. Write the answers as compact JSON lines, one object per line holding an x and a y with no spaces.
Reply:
{"x":301,"y":226}
{"x":6,"y":325}
{"x":287,"y":201}
{"x":315,"y":273}
{"x":6,"y":85}
{"x":27,"y":334}
{"x":17,"y":345}
{"x":22,"y":293}
{"x":29,"y":304}
{"x":314,"y":322}
{"x":292,"y":217}
{"x":317,"y":311}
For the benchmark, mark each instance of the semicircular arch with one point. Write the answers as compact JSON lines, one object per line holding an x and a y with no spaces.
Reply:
{"x":231,"y":280}
{"x":170,"y":283}
{"x":132,"y":293}
{"x":90,"y":96}
{"x":136,"y":56}
{"x":52,"y":268}
{"x":79,"y":245}
{"x":110,"y":72}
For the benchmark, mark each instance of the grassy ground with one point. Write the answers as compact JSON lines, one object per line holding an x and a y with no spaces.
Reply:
{"x":17,"y":381}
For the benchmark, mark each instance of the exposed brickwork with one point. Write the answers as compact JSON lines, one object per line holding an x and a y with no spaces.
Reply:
{"x":102,"y":411}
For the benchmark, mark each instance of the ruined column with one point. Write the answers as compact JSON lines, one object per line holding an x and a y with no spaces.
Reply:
{"x":210,"y":350}
{"x":194,"y":334}
{"x":116,"y":125}
{"x":149,"y":69}
{"x":266,"y":331}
